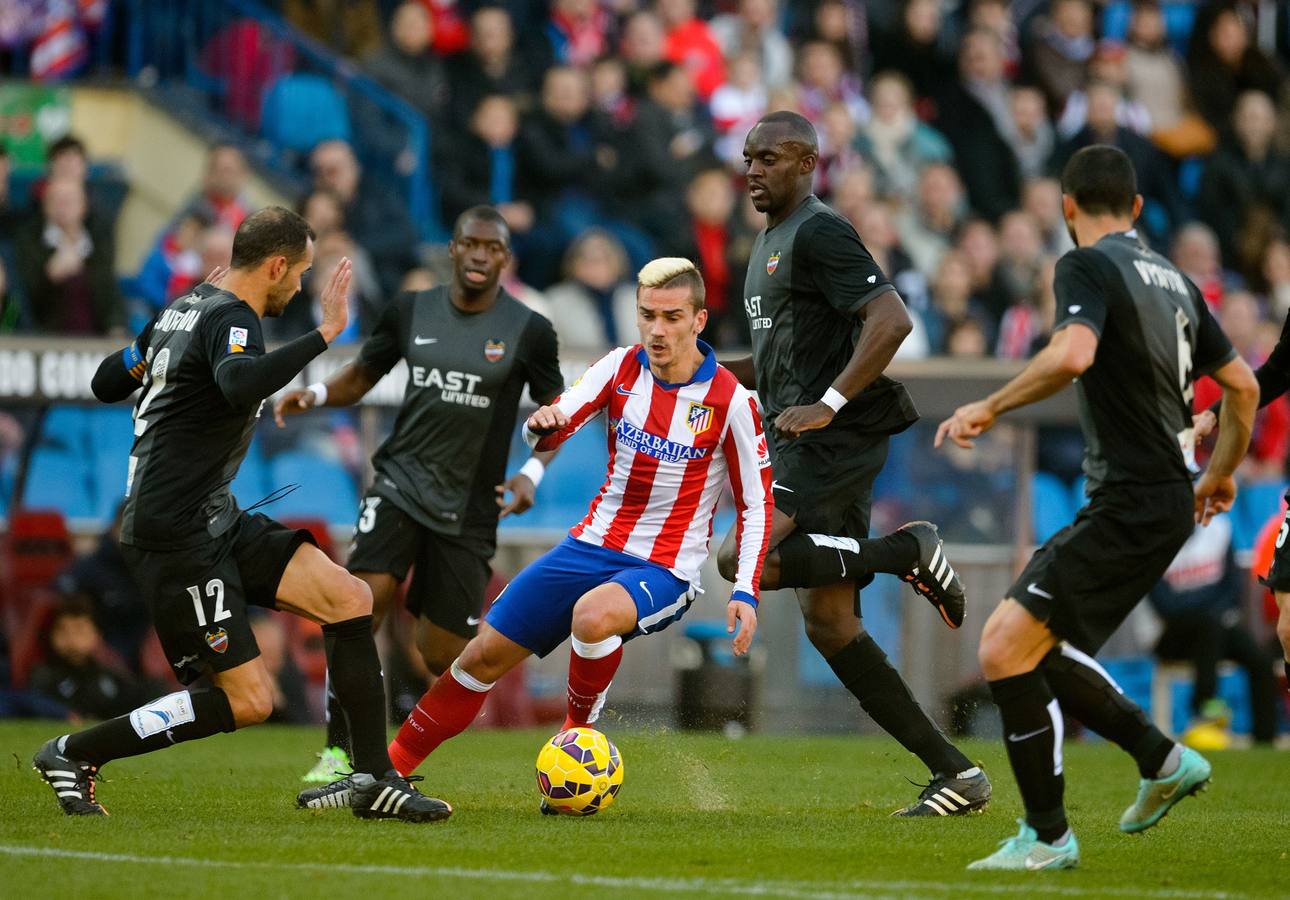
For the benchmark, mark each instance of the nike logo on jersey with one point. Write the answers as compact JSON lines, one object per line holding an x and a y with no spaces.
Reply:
{"x":472,"y":620}
{"x":625,"y":393}
{"x":1038,"y":591}
{"x":1029,"y":734}
{"x":1074,"y":309}
{"x":776,"y":486}
{"x":872,"y":279}
{"x":420,"y":341}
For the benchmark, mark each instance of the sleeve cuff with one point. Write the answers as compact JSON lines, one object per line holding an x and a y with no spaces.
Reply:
{"x":745,"y":597}
{"x":1071,"y":320}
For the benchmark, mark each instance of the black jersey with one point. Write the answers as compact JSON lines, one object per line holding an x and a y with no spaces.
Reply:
{"x":807,"y":278}
{"x":188,"y":439}
{"x":466,"y":373}
{"x":1156,"y":336}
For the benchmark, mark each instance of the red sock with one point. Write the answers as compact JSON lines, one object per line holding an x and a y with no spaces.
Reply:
{"x":443,"y":712}
{"x":589,"y":676}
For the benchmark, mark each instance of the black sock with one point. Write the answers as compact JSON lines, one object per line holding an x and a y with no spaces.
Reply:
{"x":355,"y":672}
{"x":1088,"y":694}
{"x":816,"y":560}
{"x":1032,"y":734}
{"x":173,"y":719}
{"x":863,"y":669}
{"x":337,"y":723}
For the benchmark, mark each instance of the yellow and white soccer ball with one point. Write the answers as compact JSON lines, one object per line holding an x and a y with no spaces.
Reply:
{"x":579,"y":772}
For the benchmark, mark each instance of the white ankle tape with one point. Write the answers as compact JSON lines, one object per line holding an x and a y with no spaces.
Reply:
{"x":468,"y":681}
{"x":599,"y":649}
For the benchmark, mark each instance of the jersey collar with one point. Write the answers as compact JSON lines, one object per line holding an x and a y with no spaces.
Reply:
{"x":707,"y":369}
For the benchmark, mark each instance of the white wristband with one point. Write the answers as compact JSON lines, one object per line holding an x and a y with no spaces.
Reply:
{"x":320,"y":393}
{"x":533,"y":469}
{"x":833,"y":399}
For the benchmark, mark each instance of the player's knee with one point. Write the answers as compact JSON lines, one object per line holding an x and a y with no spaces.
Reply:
{"x":348,"y":597}
{"x":994,"y":654}
{"x":480,"y":661}
{"x":829,"y":633}
{"x":592,"y":622}
{"x":251,"y":704}
{"x":437,"y":660}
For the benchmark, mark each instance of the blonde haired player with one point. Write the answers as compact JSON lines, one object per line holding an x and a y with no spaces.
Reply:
{"x":679,"y":427}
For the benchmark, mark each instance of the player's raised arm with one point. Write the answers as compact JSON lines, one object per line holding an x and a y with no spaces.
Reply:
{"x":748,"y":462}
{"x":552,"y":425}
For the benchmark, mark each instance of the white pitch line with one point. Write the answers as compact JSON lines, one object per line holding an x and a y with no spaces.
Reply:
{"x":845,"y":890}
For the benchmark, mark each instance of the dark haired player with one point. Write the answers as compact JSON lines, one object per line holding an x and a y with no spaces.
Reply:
{"x":825,"y":323}
{"x":198,"y":559}
{"x":1134,"y":333}
{"x":433,"y":506}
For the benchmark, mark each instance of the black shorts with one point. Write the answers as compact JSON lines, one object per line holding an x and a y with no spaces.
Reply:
{"x":1086,"y":580}
{"x":449,"y":573}
{"x":1278,"y":577}
{"x":199,"y":597}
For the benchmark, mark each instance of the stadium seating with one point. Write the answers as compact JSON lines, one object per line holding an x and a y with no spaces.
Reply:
{"x":573,"y":478}
{"x":327,"y":491}
{"x":1050,"y":505}
{"x":302,"y":111}
{"x":61,"y":480}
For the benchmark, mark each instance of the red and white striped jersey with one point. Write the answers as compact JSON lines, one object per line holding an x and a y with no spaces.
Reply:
{"x":671,"y":449}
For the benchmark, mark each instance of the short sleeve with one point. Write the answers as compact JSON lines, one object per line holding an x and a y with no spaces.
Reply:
{"x":1213,"y":349}
{"x":1080,"y":291}
{"x":233,"y":331}
{"x":542,"y":360}
{"x":383,"y":349}
{"x":828,"y":253}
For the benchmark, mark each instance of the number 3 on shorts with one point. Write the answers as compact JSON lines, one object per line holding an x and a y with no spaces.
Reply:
{"x":367,"y":519}
{"x":215,"y":589}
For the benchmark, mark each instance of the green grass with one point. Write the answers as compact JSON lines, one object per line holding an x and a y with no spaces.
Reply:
{"x":698,"y":816}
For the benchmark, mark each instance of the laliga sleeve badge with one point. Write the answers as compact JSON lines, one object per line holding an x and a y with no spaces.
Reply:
{"x":494,"y":350}
{"x":772,"y":263}
{"x":237,"y":338}
{"x":217,"y":640}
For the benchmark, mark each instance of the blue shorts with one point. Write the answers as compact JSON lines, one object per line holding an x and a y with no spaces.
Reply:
{"x":536,"y":609}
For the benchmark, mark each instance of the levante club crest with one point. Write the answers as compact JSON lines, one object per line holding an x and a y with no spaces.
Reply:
{"x":772,"y":263}
{"x":218,"y":640}
{"x":494,"y":350}
{"x":698,"y":418}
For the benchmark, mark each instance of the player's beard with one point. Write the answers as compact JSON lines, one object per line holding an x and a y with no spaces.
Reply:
{"x":279,"y":297}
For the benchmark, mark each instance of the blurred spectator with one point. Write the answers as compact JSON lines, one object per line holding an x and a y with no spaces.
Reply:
{"x":927,"y":227}
{"x":222,"y":198}
{"x":753,"y":34}
{"x":406,"y":64}
{"x":174,"y":265}
{"x":609,"y":94}
{"x":290,"y":703}
{"x":68,"y":157}
{"x":350,"y":27}
{"x":1029,"y":318}
{"x":9,"y":216}
{"x":1108,"y":66}
{"x":670,"y":142}
{"x":1060,"y":50}
{"x":1021,"y":256}
{"x":919,"y":48}
{"x":965,"y":339}
{"x":9,"y":311}
{"x":1223,"y":63}
{"x":101,"y":580}
{"x":492,"y":65}
{"x":641,"y":48}
{"x":1156,"y":80}
{"x":875,"y":223}
{"x":1199,"y":600}
{"x":483,"y":167}
{"x":323,"y":210}
{"x":973,"y":113}
{"x":72,"y":674}
{"x":895,"y":142}
{"x":737,"y":105}
{"x":66,"y":270}
{"x":594,"y":307}
{"x":1042,"y":198}
{"x":690,"y":43}
{"x":1275,"y":275}
{"x":845,"y":25}
{"x":576,"y":31}
{"x":708,"y":239}
{"x":375,"y":217}
{"x":952,"y":303}
{"x":1163,"y":210}
{"x":998,"y":16}
{"x":1246,"y":177}
{"x":306,"y":313}
{"x":1195,"y":252}
{"x":523,"y":292}
{"x":216,"y":247}
{"x":979,"y":243}
{"x":1030,"y":134}
{"x":825,"y":81}
{"x":838,"y":152}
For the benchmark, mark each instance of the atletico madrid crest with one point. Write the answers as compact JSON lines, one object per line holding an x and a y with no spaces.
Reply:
{"x":698,"y":418}
{"x":494,"y":350}
{"x":772,"y":263}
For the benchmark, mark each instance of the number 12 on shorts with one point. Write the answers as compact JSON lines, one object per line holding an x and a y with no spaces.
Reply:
{"x":214,"y":589}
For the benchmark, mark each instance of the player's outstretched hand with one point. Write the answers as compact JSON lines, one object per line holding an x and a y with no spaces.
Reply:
{"x":291,"y":403}
{"x":523,"y":492}
{"x":1214,"y":495}
{"x":796,"y":419}
{"x":1203,"y":423}
{"x":968,"y":422}
{"x":746,"y":615}
{"x":335,"y":300}
{"x":547,"y":420}
{"x":216,"y":275}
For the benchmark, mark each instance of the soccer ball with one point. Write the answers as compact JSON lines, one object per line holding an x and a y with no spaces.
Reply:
{"x":579,"y":772}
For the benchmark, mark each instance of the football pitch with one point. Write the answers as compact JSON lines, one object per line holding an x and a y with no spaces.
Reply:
{"x":698,"y":816}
